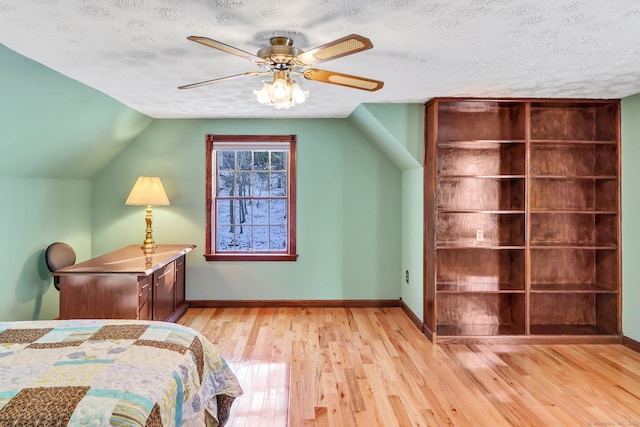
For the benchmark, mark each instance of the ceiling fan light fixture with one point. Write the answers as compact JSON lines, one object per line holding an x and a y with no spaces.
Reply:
{"x":281,"y":93}
{"x":284,"y":59}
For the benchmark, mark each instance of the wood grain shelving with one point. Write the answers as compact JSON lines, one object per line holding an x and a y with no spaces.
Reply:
{"x":522,"y":218}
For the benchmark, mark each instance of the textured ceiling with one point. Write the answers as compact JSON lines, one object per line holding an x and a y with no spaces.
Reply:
{"x":136,"y":50}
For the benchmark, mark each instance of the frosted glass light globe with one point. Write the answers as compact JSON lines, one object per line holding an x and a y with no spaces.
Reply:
{"x":279,"y":89}
{"x":298,"y":95}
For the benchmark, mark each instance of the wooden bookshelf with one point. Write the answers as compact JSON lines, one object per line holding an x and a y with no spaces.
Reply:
{"x":522,"y":219}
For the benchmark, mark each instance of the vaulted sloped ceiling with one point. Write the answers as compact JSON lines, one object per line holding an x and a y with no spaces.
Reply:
{"x":55,"y":127}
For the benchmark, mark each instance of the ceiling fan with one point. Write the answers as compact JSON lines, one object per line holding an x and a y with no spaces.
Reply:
{"x":282,"y":58}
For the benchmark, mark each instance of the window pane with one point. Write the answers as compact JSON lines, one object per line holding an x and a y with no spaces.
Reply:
{"x":278,"y":160}
{"x":261,"y":238}
{"x":223,"y":238}
{"x":235,"y":214}
{"x":261,"y":160}
{"x":226,"y":160}
{"x":243,"y":159}
{"x":243,"y":238}
{"x":278,"y":211}
{"x":260,"y":184}
{"x":225,"y":184}
{"x":227,"y":212}
{"x":223,"y":212}
{"x":244,"y":211}
{"x":278,"y":238}
{"x":243,"y":184}
{"x":278,"y":183}
{"x":261,"y":211}
{"x":251,"y":196}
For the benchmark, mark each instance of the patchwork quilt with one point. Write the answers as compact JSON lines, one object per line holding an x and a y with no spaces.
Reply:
{"x":111,"y":373}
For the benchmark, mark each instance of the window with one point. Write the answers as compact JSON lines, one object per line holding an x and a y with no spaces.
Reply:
{"x":251,"y":198}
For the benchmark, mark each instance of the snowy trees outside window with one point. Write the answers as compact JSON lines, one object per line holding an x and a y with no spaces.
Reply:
{"x":251,"y":197}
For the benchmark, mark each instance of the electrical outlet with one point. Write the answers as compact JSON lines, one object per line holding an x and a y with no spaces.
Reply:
{"x":406,"y":276}
{"x":479,"y":235}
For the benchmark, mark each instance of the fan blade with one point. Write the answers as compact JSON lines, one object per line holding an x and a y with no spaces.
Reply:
{"x":343,"y":79}
{"x":222,"y":79}
{"x":226,"y":48}
{"x":348,"y":45}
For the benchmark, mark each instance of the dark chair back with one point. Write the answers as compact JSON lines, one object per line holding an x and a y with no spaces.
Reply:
{"x":59,"y":255}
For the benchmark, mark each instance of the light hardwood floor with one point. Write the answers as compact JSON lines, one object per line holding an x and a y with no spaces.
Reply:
{"x":372,"y":367}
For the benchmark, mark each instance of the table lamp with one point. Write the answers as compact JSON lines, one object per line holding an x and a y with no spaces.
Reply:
{"x":147,"y":191}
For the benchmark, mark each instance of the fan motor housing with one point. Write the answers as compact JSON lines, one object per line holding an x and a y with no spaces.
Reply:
{"x":281,"y":50}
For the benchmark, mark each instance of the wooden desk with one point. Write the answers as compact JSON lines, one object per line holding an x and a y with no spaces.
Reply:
{"x":126,"y":284}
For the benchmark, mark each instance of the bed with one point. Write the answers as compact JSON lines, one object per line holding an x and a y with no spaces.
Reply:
{"x":111,"y":372}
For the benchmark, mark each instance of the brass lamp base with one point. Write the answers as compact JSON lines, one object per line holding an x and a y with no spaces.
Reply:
{"x":148,"y":246}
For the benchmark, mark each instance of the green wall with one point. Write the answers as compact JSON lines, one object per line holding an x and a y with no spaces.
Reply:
{"x":55,"y":127}
{"x":398,"y":131}
{"x":405,"y":122}
{"x":412,"y":240}
{"x":35,"y":213}
{"x":55,"y":134}
{"x":348,"y":211}
{"x":630,"y":216}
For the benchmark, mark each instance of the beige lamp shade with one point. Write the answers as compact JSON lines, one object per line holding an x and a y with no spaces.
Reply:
{"x":148,"y":191}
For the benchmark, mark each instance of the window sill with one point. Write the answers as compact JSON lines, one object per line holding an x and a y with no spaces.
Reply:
{"x":251,"y":257}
